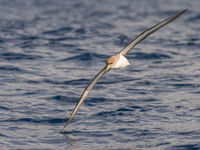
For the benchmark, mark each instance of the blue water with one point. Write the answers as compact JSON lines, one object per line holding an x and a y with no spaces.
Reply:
{"x":50,"y":50}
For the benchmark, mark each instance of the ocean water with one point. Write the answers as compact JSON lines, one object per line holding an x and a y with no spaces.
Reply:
{"x":50,"y":50}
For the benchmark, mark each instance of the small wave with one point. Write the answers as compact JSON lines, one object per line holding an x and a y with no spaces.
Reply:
{"x":11,"y":68}
{"x":31,"y":120}
{"x":18,"y":56}
{"x":59,"y":31}
{"x":68,"y":82}
{"x":96,"y":100}
{"x":3,"y":108}
{"x":118,"y":112}
{"x":186,"y":146}
{"x":140,"y":55}
{"x":108,"y":113}
{"x":183,"y":85}
{"x":80,"y":31}
{"x":63,"y":98}
{"x":122,"y":39}
{"x":85,"y":57}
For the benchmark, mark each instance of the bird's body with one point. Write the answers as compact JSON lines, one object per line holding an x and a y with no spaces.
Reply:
{"x":119,"y":61}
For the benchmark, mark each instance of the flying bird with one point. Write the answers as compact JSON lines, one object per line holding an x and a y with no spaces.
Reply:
{"x":119,"y":61}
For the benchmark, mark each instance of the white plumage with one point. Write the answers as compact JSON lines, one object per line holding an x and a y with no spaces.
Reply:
{"x":122,"y":62}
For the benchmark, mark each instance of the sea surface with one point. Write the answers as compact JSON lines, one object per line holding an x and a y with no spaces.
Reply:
{"x":51,"y":49}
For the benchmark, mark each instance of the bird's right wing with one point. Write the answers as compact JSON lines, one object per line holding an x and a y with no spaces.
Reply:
{"x":86,"y":92}
{"x":149,"y":31}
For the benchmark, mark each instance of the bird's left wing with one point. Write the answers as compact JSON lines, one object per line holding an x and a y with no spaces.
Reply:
{"x":86,"y":92}
{"x":149,"y":31}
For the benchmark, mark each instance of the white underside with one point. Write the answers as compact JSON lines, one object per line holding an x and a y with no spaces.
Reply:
{"x":121,"y":63}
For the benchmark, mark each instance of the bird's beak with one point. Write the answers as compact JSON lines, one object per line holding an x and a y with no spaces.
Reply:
{"x":108,"y":68}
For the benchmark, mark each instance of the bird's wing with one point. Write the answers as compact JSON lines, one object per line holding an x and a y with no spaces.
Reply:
{"x":149,"y":31}
{"x":86,"y":92}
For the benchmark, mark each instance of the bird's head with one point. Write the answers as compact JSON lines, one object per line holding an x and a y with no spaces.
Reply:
{"x":112,"y":61}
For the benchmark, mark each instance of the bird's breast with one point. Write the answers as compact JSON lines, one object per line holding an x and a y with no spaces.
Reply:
{"x":121,"y":63}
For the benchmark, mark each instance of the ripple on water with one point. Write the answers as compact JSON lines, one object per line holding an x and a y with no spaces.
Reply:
{"x":49,"y":51}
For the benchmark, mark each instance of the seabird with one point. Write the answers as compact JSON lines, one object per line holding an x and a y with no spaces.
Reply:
{"x":119,"y":61}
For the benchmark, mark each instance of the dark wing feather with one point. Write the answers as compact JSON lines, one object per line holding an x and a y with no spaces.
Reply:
{"x":85,"y":93}
{"x":146,"y":33}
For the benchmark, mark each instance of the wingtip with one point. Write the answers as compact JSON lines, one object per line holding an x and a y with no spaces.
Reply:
{"x":66,"y":124}
{"x":184,"y":10}
{"x":181,"y":12}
